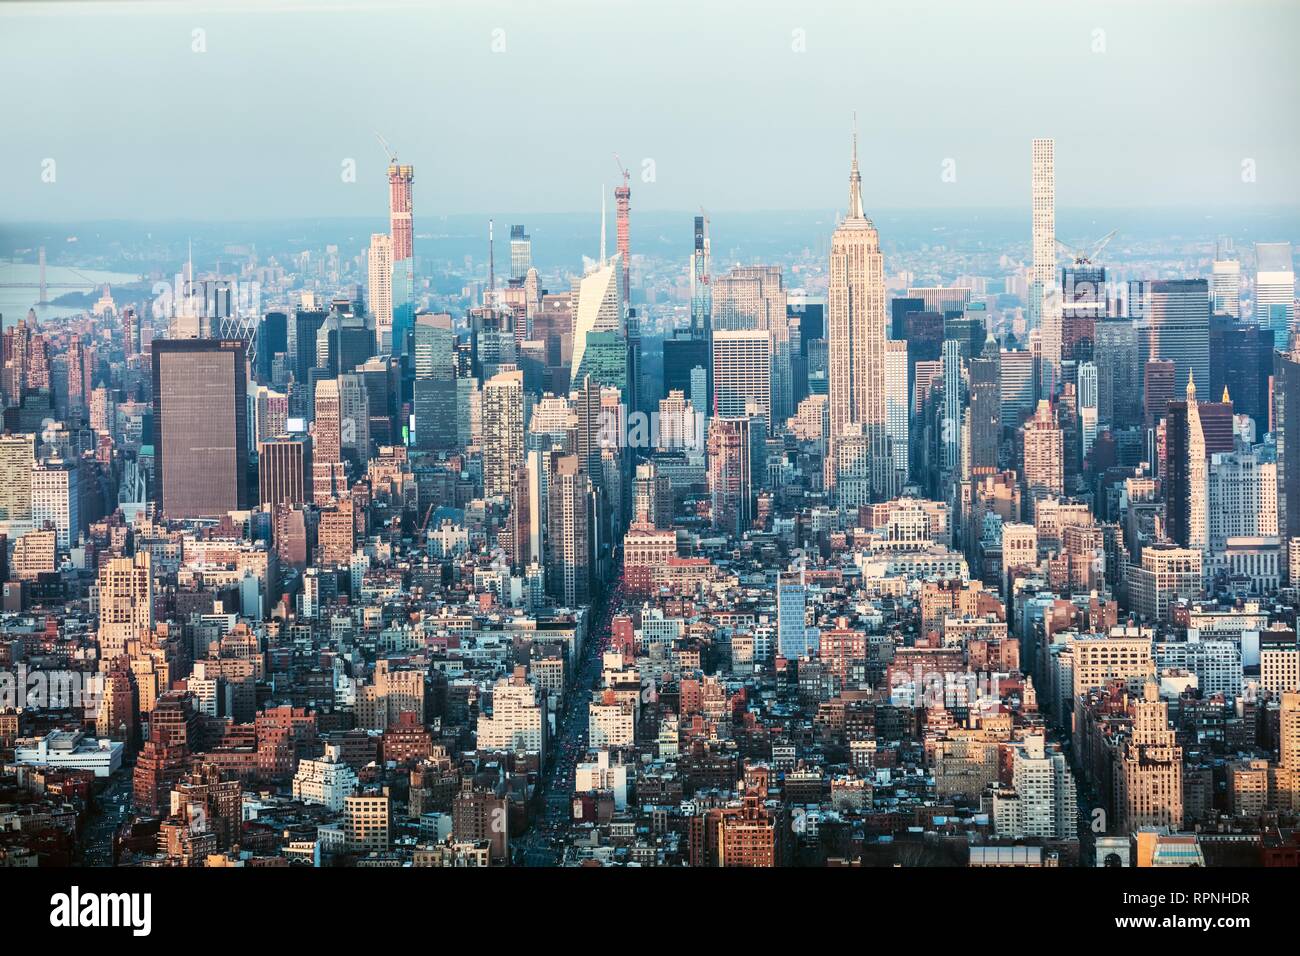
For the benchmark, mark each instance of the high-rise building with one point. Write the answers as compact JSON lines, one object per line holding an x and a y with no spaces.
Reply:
{"x":896,"y":408}
{"x":1044,"y":454}
{"x":1241,"y":363}
{"x":17,"y":455}
{"x":200,"y":426}
{"x":400,"y":179}
{"x":1197,"y":476}
{"x":503,"y":431}
{"x":985,"y":411}
{"x":1242,"y":492}
{"x":1193,"y":432}
{"x":518,"y":721}
{"x":1119,"y":373}
{"x":521,"y":252}
{"x":1041,"y":803}
{"x":730,"y":484}
{"x":568,"y":539}
{"x":954,"y":403}
{"x":1157,"y":390}
{"x":1286,"y":429}
{"x":434,"y":388}
{"x":125,"y":603}
{"x":1044,"y":300}
{"x":272,"y":343}
{"x":1275,"y":291}
{"x":741,"y":374}
{"x":701,"y":294}
{"x":856,"y":326}
{"x":1175,"y":318}
{"x":1016,"y":383}
{"x":683,"y":354}
{"x":327,"y":422}
{"x":306,"y":327}
{"x":56,"y":499}
{"x":1225,"y":287}
{"x":791,"y":614}
{"x":1087,"y":393}
{"x":598,"y":307}
{"x":354,"y":418}
{"x":380,"y":290}
{"x":1150,"y":784}
{"x":754,"y":298}
{"x":1168,"y":574}
{"x":284,"y":470}
{"x":623,"y":206}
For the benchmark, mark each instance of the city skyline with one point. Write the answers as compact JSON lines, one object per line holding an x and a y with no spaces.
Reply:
{"x":855,"y":538}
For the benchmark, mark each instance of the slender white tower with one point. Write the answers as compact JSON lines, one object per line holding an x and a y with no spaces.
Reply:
{"x":1198,"y":476}
{"x":1044,"y":298}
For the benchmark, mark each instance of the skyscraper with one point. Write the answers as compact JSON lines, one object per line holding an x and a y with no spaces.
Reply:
{"x":1225,"y":287}
{"x":856,"y":325}
{"x":1087,"y":395}
{"x":896,"y":407}
{"x":985,"y":412}
{"x":741,"y":374}
{"x":1044,"y":454}
{"x":381,"y":290}
{"x":701,"y":294}
{"x":598,"y":307}
{"x":953,"y":402}
{"x":1150,"y":783}
{"x":17,"y":454}
{"x":1197,"y":476}
{"x":434,"y":388}
{"x":1275,"y":290}
{"x":1119,"y":373}
{"x":521,"y":252}
{"x":1286,"y":427}
{"x":125,"y":603}
{"x":568,"y":539}
{"x":1044,"y":301}
{"x":56,"y":499}
{"x":400,"y":179}
{"x":1176,"y":320}
{"x":623,"y":205}
{"x":730,"y":485}
{"x":791,"y":616}
{"x":503,"y":431}
{"x":200,"y":426}
{"x":284,"y":470}
{"x":750,"y":298}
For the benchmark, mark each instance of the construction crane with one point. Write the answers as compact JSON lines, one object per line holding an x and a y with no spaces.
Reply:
{"x":622,"y":169}
{"x":392,"y":156}
{"x":1086,"y":257}
{"x":424,"y":522}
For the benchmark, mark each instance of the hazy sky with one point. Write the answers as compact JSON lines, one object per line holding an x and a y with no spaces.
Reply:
{"x":737,"y":105}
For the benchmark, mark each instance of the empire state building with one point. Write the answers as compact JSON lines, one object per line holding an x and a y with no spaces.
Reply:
{"x":860,"y":465}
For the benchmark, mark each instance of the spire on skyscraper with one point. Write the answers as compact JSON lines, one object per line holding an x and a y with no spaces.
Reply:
{"x":1191,"y":386}
{"x":855,"y":177}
